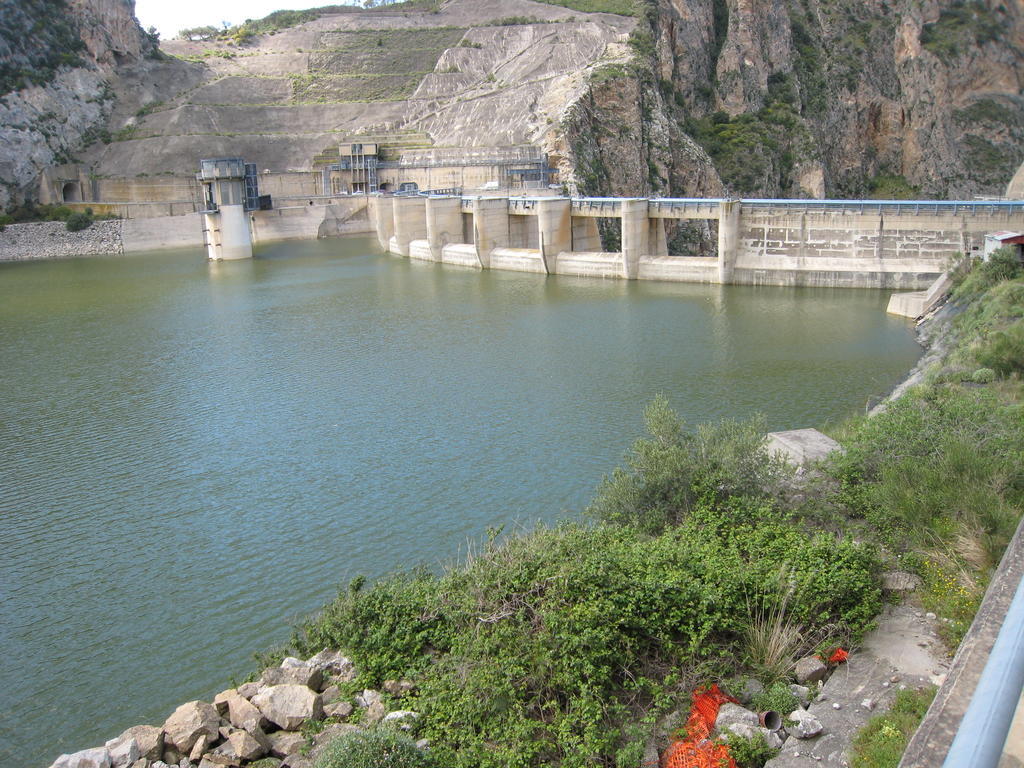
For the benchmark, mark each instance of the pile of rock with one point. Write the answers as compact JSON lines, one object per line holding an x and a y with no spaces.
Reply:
{"x":260,"y":721}
{"x":51,"y":240}
{"x":800,"y":723}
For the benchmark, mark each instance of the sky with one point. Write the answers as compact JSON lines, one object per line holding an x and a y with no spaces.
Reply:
{"x":171,"y":16}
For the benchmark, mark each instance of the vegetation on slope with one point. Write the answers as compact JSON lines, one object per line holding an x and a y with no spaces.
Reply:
{"x":562,"y":646}
{"x":938,"y":477}
{"x":37,"y":37}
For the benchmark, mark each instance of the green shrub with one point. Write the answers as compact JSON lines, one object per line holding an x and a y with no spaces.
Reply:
{"x":670,"y":471}
{"x":1002,"y":264}
{"x":777,"y":698}
{"x":76,"y":222}
{"x":378,"y":748}
{"x":749,"y":753}
{"x":983,"y":376}
{"x":1003,"y":351}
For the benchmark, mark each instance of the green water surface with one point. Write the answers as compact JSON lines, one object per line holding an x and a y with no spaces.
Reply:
{"x":193,"y":455}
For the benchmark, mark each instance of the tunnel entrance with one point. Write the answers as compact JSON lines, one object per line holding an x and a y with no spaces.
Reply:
{"x":71,"y":192}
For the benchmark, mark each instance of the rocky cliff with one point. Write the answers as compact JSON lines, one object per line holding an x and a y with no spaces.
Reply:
{"x":816,"y":98}
{"x":837,"y":98}
{"x":55,"y":58}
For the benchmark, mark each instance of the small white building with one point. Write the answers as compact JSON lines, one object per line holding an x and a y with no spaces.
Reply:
{"x":997,"y":240}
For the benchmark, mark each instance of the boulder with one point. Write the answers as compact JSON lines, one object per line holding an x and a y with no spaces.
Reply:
{"x":149,"y":739}
{"x":87,"y":758}
{"x":248,"y":690}
{"x":900,"y":582}
{"x":188,"y":723}
{"x":398,"y":687}
{"x":330,"y":693}
{"x":743,"y":730}
{"x":243,"y":714}
{"x":806,"y":725}
{"x":333,"y":663}
{"x":402,"y":718}
{"x":289,"y":706}
{"x":368,"y":697}
{"x":124,"y":752}
{"x":244,"y":746}
{"x":199,"y":748}
{"x":802,"y":693}
{"x":810,"y":669}
{"x":171,"y":756}
{"x":751,"y":688}
{"x":142,"y":763}
{"x":771,"y":738}
{"x":340,"y":709}
{"x":296,"y":761}
{"x":284,"y":743}
{"x":374,"y":713}
{"x":733,"y":714}
{"x":309,"y":676}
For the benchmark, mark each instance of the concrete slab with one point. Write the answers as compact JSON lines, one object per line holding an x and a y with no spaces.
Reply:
{"x":802,"y":446}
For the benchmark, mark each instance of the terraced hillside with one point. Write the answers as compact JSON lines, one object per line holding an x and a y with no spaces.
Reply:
{"x":463,"y":75}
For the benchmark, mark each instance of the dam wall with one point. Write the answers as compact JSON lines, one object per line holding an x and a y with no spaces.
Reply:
{"x":853,"y":244}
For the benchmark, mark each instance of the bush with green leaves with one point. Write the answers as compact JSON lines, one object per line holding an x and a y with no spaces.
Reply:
{"x":548,"y":648}
{"x":377,"y":748}
{"x":880,"y":744}
{"x":777,"y":698}
{"x":1001,"y":265}
{"x":750,"y":753}
{"x":671,"y":471}
{"x":76,"y":222}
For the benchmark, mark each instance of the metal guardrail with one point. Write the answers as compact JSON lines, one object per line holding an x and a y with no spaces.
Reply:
{"x":980,"y":740}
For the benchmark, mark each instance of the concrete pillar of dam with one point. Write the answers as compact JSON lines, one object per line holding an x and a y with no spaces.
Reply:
{"x":728,"y":238}
{"x":554,"y":222}
{"x":382,"y":214}
{"x":635,"y":232}
{"x":444,"y":223}
{"x":410,"y":222}
{"x":490,"y":227}
{"x":585,"y":235}
{"x":656,"y":240}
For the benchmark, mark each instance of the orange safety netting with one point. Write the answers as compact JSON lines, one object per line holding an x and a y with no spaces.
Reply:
{"x":839,"y":656}
{"x":698,"y":750}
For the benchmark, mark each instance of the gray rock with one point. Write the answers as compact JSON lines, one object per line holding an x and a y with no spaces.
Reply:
{"x":340,"y":709}
{"x":368,"y":697}
{"x":309,"y":676}
{"x":751,"y":688}
{"x":289,"y":706}
{"x":248,"y":690}
{"x":771,"y":738}
{"x":810,"y":669}
{"x":802,"y":693}
{"x":900,"y":581}
{"x":243,"y":745}
{"x":333,"y":663}
{"x":733,"y":714}
{"x":124,"y":753}
{"x":142,"y":763}
{"x":402,"y":718}
{"x":149,"y":739}
{"x":87,"y":758}
{"x":806,"y":725}
{"x":374,"y":713}
{"x":743,"y":730}
{"x":171,"y":756}
{"x":399,"y":687}
{"x":297,"y":761}
{"x":284,"y":743}
{"x":245,"y":715}
{"x":199,"y":748}
{"x":188,"y":722}
{"x":330,"y":693}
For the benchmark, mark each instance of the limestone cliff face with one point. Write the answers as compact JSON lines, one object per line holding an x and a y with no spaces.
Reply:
{"x":811,"y":98}
{"x":55,"y":93}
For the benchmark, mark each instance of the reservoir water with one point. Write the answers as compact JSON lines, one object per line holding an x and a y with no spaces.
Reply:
{"x":194,"y":455}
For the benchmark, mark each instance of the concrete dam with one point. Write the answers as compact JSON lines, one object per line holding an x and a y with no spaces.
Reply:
{"x":835,"y":243}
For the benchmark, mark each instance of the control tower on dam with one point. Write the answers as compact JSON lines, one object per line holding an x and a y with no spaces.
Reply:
{"x":836,"y":243}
